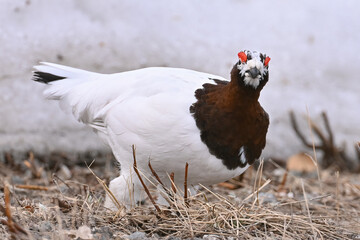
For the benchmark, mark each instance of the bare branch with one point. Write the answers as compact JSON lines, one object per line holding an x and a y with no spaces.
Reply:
{"x":297,"y":131}
{"x":328,"y":128}
{"x":332,"y":154}
{"x":318,"y":133}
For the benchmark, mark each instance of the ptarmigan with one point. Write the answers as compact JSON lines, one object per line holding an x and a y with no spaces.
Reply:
{"x":172,"y":116}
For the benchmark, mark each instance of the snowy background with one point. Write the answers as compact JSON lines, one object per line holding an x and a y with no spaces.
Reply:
{"x":314,"y":46}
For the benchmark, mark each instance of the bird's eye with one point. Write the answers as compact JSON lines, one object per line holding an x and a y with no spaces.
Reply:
{"x":267,"y":60}
{"x":242,"y":56}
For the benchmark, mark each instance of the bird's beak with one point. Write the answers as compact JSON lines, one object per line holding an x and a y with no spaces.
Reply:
{"x":254,"y":72}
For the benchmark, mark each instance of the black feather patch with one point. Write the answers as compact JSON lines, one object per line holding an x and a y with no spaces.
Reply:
{"x":46,"y":77}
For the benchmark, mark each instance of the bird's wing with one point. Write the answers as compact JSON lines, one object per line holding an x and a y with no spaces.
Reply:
{"x":150,"y":92}
{"x":91,"y":95}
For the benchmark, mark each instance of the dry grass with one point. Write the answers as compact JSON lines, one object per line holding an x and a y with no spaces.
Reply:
{"x":267,"y":207}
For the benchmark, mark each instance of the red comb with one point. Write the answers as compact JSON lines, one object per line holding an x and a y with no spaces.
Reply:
{"x":267,"y":60}
{"x":242,"y":56}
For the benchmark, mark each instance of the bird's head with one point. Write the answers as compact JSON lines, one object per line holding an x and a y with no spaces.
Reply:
{"x":251,"y":70}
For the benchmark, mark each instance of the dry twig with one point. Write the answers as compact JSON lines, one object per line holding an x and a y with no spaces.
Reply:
{"x":156,"y":176}
{"x":172,"y":179}
{"x":281,"y":187}
{"x":185,"y":184}
{"x":14,"y":228}
{"x":30,"y":163}
{"x":32,"y":187}
{"x":142,"y":182}
{"x":332,"y":154}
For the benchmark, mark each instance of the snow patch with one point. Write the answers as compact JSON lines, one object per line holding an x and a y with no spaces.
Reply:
{"x":313,"y":66}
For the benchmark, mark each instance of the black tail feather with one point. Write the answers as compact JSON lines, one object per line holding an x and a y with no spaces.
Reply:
{"x":46,"y":77}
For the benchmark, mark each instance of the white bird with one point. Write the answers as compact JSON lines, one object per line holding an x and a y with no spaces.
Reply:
{"x":172,"y":116}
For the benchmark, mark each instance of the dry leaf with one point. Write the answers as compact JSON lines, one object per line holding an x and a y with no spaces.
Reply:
{"x":301,"y":163}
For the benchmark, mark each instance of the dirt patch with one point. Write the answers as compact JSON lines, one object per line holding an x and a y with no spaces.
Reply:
{"x":64,"y":200}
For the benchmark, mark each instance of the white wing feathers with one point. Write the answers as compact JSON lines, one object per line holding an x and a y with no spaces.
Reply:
{"x":90,"y":95}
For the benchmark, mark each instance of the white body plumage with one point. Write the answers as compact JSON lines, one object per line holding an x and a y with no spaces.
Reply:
{"x":148,"y":108}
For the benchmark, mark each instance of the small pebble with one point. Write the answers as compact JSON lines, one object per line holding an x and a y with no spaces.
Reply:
{"x":211,"y":237}
{"x":136,"y":236}
{"x":64,"y":172}
{"x":45,"y":227}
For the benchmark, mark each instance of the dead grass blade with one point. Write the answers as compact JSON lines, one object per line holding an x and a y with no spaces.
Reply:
{"x":106,"y":188}
{"x":307,"y":207}
{"x":172,"y":179}
{"x":257,"y":191}
{"x":311,"y":124}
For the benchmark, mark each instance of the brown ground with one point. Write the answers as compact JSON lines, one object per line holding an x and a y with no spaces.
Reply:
{"x":266,"y":206}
